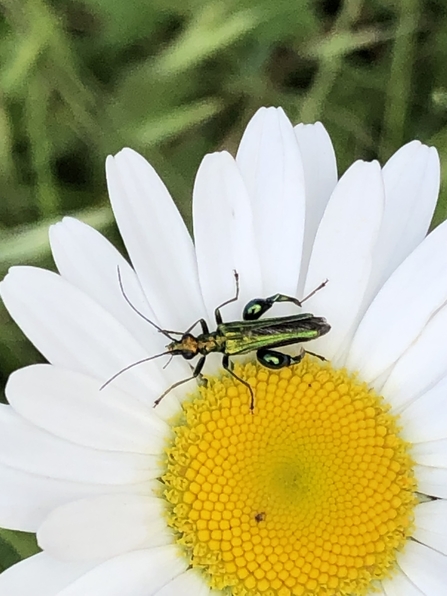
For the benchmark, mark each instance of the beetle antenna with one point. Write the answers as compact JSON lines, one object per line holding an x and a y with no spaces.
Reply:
{"x":126,"y":368}
{"x":135,"y":309}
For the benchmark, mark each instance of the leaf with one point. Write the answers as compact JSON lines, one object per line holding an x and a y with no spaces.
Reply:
{"x":15,"y":546}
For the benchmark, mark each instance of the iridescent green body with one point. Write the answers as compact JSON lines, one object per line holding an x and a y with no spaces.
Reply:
{"x":248,"y":336}
{"x":252,"y":334}
{"x":241,"y":337}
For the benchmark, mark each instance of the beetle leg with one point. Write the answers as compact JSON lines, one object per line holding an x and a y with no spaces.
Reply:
{"x":257,"y":307}
{"x":202,"y":323}
{"x":276,"y":360}
{"x":316,"y":355}
{"x":195,"y":374}
{"x":317,"y":289}
{"x":226,"y":363}
{"x":271,"y":300}
{"x":217,"y":314}
{"x":202,"y":381}
{"x":297,"y":359}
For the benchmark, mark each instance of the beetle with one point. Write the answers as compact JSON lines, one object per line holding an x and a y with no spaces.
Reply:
{"x":236,"y":338}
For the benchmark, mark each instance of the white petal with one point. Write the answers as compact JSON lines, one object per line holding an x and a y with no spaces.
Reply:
{"x":72,"y":331}
{"x":103,"y":527}
{"x":190,"y":583}
{"x":342,"y":252}
{"x":25,"y":447}
{"x":421,"y":366}
{"x":40,"y":575}
{"x":400,"y":585}
{"x":432,"y":481}
{"x":320,"y":178}
{"x":270,"y":163}
{"x":156,"y":239}
{"x":224,"y":235}
{"x":69,"y":405}
{"x":26,"y":499}
{"x":402,"y":308}
{"x":411,"y":179}
{"x":139,"y":573}
{"x":89,"y":261}
{"x":424,"y":419}
{"x":432,"y":453}
{"x":431,"y":525}
{"x":425,"y":568}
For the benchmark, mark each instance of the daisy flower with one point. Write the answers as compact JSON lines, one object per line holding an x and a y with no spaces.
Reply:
{"x":335,"y":484}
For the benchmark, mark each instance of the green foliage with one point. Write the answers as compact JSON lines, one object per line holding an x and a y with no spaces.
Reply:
{"x":15,"y":546}
{"x":175,"y":79}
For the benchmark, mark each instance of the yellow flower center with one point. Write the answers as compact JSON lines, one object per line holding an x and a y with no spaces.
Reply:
{"x":312,"y":494}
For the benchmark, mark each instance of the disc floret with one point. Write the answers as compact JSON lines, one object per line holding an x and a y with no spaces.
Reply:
{"x":311,"y":494}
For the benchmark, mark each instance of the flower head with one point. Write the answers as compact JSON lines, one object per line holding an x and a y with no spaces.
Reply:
{"x":286,"y":476}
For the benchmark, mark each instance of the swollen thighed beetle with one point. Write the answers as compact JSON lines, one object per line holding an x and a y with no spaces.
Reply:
{"x":241,"y":337}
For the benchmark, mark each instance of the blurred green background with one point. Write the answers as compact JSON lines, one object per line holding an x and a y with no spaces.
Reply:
{"x":175,"y":79}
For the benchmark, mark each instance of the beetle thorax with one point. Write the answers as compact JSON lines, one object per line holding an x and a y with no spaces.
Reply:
{"x":187,"y":346}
